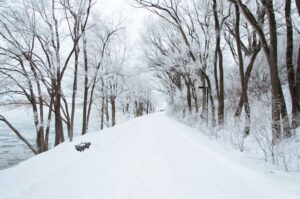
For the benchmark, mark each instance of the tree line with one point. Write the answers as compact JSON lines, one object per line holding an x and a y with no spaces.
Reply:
{"x":59,"y":56}
{"x":192,"y":44}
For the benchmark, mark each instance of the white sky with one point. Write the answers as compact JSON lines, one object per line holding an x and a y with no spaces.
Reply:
{"x":124,"y":10}
{"x":134,"y":20}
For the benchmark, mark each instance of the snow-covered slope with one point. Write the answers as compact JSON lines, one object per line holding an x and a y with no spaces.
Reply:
{"x":151,"y":157}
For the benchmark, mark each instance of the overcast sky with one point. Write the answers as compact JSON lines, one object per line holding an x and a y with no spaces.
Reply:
{"x":134,"y":20}
{"x":124,"y":10}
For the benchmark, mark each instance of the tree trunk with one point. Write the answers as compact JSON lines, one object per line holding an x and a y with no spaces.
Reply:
{"x":242,"y":75}
{"x":189,"y":96}
{"x":33,"y":101}
{"x":297,"y":93}
{"x":102,"y":113}
{"x":289,"y":59}
{"x":297,"y":82}
{"x":71,"y":132}
{"x":247,"y":77}
{"x":48,"y":123}
{"x":106,"y":112}
{"x":147,"y":107}
{"x":59,"y":133}
{"x":141,"y":108}
{"x":204,"y":100}
{"x":195,"y":98}
{"x":89,"y":109}
{"x":298,"y":6}
{"x":38,"y":117}
{"x":85,"y":96}
{"x":278,"y":98}
{"x":127,"y":108}
{"x":113,"y":110}
{"x":278,"y":103}
{"x":219,"y":57}
{"x":211,"y":99}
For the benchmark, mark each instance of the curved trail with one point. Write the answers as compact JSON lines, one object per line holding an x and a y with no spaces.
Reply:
{"x":151,"y":157}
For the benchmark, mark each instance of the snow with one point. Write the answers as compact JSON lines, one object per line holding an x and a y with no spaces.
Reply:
{"x":152,"y":157}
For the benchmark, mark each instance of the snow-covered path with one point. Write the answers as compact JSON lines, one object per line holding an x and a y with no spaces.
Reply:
{"x":151,"y":157}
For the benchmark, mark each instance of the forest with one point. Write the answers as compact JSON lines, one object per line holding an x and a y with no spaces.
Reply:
{"x":60,"y":56}
{"x":231,"y":67}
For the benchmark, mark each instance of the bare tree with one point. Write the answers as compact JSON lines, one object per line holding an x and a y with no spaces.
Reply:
{"x":33,"y":36}
{"x":77,"y":15}
{"x":270,"y":49}
{"x":170,"y":12}
{"x":18,"y":31}
{"x":296,"y":86}
{"x":289,"y":57}
{"x":218,"y":61}
{"x":103,"y":39}
{"x":252,"y":50}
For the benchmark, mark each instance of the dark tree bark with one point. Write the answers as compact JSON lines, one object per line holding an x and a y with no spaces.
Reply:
{"x":219,"y":59}
{"x":242,"y":75}
{"x":211,"y":100}
{"x":278,"y":103}
{"x":78,"y":18}
{"x":113,"y":110}
{"x":59,"y":132}
{"x":297,"y":92}
{"x":106,"y":111}
{"x":86,"y":88}
{"x":298,"y":6}
{"x":212,"y":104}
{"x":278,"y":99}
{"x":37,"y":104}
{"x":40,"y":141}
{"x":148,"y":107}
{"x":76,"y":59}
{"x":102,"y":112}
{"x":195,"y":97}
{"x":289,"y":60}
{"x":188,"y":96}
{"x":48,"y":123}
{"x":297,"y":83}
{"x":204,"y":100}
{"x":58,"y":75}
{"x":254,"y":48}
{"x":247,"y":77}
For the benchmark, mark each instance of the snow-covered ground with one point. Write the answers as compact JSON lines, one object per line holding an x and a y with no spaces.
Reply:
{"x":14,"y":151}
{"x":148,"y":157}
